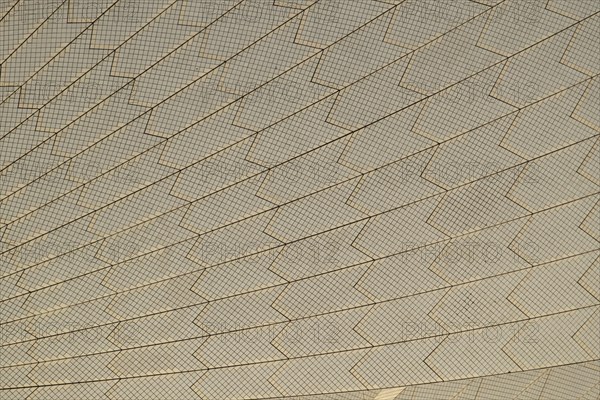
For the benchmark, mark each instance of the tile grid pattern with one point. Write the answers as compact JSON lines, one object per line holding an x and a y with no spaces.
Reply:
{"x":324,"y":199}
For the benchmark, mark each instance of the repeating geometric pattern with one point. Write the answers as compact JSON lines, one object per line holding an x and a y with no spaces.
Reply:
{"x":300,"y":199}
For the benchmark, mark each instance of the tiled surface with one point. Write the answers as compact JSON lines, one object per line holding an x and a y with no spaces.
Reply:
{"x":300,"y":199}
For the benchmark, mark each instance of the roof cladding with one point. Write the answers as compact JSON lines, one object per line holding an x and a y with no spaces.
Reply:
{"x":299,"y":199}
